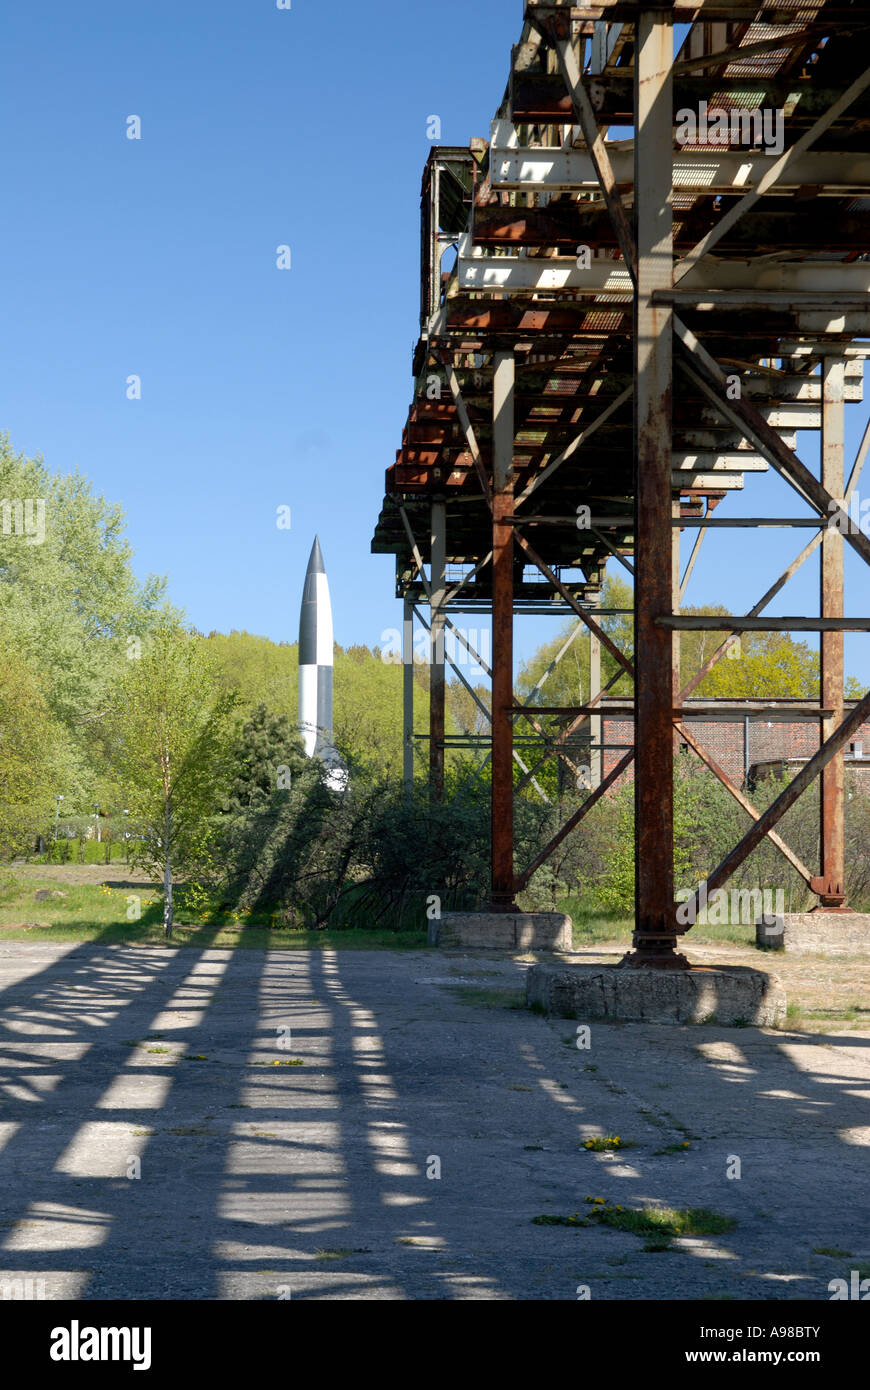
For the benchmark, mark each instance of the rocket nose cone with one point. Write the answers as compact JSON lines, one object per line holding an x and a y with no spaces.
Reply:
{"x":315,"y":559}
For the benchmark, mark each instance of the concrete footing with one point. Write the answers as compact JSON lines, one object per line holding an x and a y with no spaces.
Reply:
{"x":817,"y":933}
{"x":502,"y":931}
{"x":705,"y":994}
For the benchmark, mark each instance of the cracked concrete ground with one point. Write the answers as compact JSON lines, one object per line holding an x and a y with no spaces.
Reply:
{"x":258,"y":1178}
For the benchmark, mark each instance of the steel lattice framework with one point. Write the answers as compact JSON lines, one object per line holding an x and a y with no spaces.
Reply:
{"x":636,"y":327}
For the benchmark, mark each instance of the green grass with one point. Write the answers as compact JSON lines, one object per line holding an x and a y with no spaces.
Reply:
{"x":833,"y":1252}
{"x":96,"y":912}
{"x":593,"y":924}
{"x":233,"y":938}
{"x":82,"y":852}
{"x":663,"y":1222}
{"x":800,"y":1017}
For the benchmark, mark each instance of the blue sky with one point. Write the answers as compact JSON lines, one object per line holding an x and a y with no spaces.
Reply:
{"x":260,"y":388}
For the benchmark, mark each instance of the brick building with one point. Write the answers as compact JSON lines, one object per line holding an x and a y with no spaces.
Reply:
{"x":747,"y":740}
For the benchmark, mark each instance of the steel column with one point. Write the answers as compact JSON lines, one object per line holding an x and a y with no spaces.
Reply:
{"x":408,"y":695}
{"x":596,"y":724}
{"x":830,"y":884}
{"x":655,"y":934}
{"x":438,"y":582}
{"x":502,"y":896}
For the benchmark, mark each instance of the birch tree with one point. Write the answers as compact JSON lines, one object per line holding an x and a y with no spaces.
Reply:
{"x":171,"y":727}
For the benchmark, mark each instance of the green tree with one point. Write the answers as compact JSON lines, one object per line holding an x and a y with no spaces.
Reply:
{"x":568,"y":682}
{"x":70,"y":604}
{"x":268,"y":755}
{"x":171,"y":730}
{"x":762,"y":665}
{"x":367,"y":693}
{"x":29,"y":765}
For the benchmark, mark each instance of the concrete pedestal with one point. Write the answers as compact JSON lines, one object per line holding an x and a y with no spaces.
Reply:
{"x":502,"y":931}
{"x":705,"y":994}
{"x":817,"y":933}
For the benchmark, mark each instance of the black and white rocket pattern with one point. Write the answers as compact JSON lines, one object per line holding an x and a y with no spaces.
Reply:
{"x":315,"y":669}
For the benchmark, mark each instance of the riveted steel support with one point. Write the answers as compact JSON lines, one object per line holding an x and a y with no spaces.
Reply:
{"x":655,"y":934}
{"x":438,"y":579}
{"x":408,"y":695}
{"x":502,"y":895}
{"x":596,"y":723}
{"x":830,"y":884}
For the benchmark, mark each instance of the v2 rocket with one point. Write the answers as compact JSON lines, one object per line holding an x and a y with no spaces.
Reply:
{"x":315,"y":671}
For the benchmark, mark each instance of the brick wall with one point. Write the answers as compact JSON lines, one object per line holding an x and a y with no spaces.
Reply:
{"x":770,"y":740}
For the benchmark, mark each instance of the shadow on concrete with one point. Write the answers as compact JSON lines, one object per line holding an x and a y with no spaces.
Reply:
{"x":408,"y":1156}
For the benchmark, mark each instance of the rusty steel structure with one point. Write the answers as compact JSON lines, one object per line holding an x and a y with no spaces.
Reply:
{"x":637,"y":322}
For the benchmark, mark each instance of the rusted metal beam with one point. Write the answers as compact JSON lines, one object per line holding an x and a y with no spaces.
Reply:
{"x":776,"y":171}
{"x":700,"y":623}
{"x":598,"y":151}
{"x":437,"y":683}
{"x":830,"y":884}
{"x":577,"y":443}
{"x":408,"y":695}
{"x":704,"y":712}
{"x":655,"y":933}
{"x":540,"y":98}
{"x":596,"y":723}
{"x":774,"y":11}
{"x":704,"y":172}
{"x":502,"y":889}
{"x":739,"y":53}
{"x":626,"y":523}
{"x":470,"y":437}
